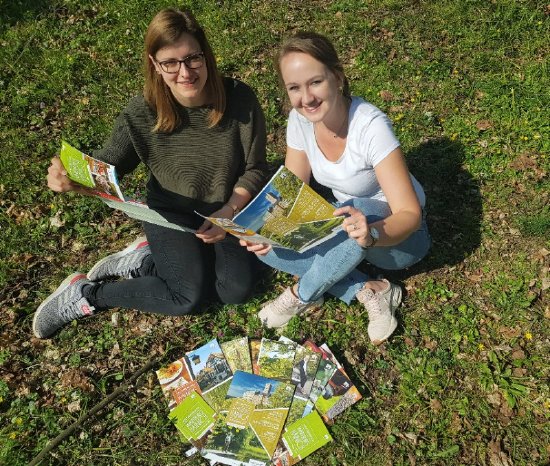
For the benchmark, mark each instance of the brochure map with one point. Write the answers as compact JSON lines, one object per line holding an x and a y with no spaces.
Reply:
{"x":257,"y":402}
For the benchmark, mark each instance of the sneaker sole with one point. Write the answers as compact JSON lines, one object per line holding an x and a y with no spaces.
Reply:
{"x":396,"y":297}
{"x":64,"y":284}
{"x":137,"y":244}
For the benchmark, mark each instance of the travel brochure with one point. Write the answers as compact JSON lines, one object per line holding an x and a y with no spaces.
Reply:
{"x":287,"y":212}
{"x":100,"y":179}
{"x":249,"y":402}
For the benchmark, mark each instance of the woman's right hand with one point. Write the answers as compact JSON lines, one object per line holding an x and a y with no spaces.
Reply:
{"x":57,"y":178}
{"x":258,"y":249}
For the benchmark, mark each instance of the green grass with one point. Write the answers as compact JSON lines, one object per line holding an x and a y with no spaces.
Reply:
{"x":466,"y":84}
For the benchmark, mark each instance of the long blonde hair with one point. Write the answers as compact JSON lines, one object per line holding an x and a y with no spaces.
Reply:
{"x":165,"y":30}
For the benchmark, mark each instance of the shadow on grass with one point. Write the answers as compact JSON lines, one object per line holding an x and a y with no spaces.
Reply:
{"x":454,"y":207}
{"x":12,"y":12}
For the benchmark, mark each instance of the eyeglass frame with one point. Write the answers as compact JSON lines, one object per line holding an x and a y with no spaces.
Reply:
{"x":182,"y":61}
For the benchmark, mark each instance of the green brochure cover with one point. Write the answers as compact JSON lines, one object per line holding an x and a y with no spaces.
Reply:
{"x":89,"y":172}
{"x":306,"y":435}
{"x":193,"y":417}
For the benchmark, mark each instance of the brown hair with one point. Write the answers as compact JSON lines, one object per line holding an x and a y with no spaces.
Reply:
{"x":318,"y":47}
{"x":165,"y":30}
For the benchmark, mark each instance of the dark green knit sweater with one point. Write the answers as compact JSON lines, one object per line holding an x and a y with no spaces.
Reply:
{"x":194,"y":167}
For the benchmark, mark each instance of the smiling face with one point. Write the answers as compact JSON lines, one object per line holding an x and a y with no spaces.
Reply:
{"x":187,"y":85}
{"x":313,"y":90}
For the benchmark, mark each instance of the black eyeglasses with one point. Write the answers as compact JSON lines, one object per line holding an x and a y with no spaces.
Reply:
{"x":192,"y":62}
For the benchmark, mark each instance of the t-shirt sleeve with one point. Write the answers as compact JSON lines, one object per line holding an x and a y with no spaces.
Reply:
{"x":294,"y":133}
{"x":379,"y":139}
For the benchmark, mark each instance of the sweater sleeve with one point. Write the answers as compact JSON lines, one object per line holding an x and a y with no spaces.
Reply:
{"x":253,"y":138}
{"x":119,"y":149}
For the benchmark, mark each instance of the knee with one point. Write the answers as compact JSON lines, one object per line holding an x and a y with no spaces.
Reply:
{"x":186,"y":303}
{"x":237,"y":293}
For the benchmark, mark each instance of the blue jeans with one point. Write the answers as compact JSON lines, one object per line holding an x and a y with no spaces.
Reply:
{"x":331,"y":266}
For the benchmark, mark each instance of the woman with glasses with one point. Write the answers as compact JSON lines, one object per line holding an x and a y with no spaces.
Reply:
{"x":202,"y":139}
{"x":348,"y":145}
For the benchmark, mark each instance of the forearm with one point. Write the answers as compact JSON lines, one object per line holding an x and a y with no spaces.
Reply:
{"x":238,"y":199}
{"x":397,"y":227}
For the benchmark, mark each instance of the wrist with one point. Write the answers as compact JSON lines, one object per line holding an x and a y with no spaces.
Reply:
{"x":234,"y":208}
{"x":372,"y":238}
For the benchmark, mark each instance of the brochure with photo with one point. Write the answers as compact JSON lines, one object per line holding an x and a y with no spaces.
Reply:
{"x":254,"y":352}
{"x":306,"y":363}
{"x":208,"y":367}
{"x":247,"y":434}
{"x":176,"y":382}
{"x":100,"y":177}
{"x":237,"y":353}
{"x":276,"y":359}
{"x":287,"y":212}
{"x":339,"y":392}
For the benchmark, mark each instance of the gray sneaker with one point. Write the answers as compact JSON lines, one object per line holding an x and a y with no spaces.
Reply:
{"x":381,"y":308}
{"x":123,"y":264}
{"x":279,"y":311}
{"x":64,"y":305}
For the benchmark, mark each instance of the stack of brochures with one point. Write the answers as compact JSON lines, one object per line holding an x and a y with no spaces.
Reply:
{"x":257,"y":402}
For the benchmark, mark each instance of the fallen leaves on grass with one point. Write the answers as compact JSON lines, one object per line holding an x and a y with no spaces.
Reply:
{"x":75,"y":378}
{"x":497,"y":457}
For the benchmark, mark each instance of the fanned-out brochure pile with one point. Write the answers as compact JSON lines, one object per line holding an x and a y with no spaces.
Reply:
{"x":257,"y":402}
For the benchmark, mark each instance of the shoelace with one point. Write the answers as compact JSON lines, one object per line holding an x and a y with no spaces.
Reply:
{"x":72,"y":310}
{"x":372,"y":302}
{"x":282,"y":304}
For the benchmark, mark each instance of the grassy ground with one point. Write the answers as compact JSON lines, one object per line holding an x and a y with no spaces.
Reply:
{"x":465,"y":379}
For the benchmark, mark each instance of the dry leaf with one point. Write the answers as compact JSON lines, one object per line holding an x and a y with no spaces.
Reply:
{"x":386,"y":96}
{"x":483,"y":125}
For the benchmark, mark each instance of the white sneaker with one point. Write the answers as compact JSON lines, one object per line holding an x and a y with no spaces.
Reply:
{"x":278,"y":312}
{"x":381,"y":308}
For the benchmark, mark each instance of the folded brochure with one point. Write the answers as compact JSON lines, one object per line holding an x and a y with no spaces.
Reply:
{"x":100,"y":179}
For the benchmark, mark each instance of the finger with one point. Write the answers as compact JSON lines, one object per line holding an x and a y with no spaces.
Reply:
{"x":204,"y":227}
{"x":345,"y":210}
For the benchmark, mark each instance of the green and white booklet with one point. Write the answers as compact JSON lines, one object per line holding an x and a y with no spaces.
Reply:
{"x":100,"y":180}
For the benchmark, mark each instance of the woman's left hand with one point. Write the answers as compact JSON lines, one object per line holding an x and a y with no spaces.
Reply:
{"x":355,"y":225}
{"x":211,"y":233}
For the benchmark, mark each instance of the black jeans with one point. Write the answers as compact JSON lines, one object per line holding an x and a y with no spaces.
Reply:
{"x":180,"y":275}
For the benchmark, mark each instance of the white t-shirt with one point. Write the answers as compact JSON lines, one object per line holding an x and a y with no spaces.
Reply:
{"x":370,"y":139}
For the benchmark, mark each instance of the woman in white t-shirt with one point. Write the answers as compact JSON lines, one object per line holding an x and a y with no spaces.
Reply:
{"x":348,"y":145}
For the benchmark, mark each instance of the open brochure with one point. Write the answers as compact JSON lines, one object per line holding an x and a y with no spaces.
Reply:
{"x":100,"y":179}
{"x":287,"y":213}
